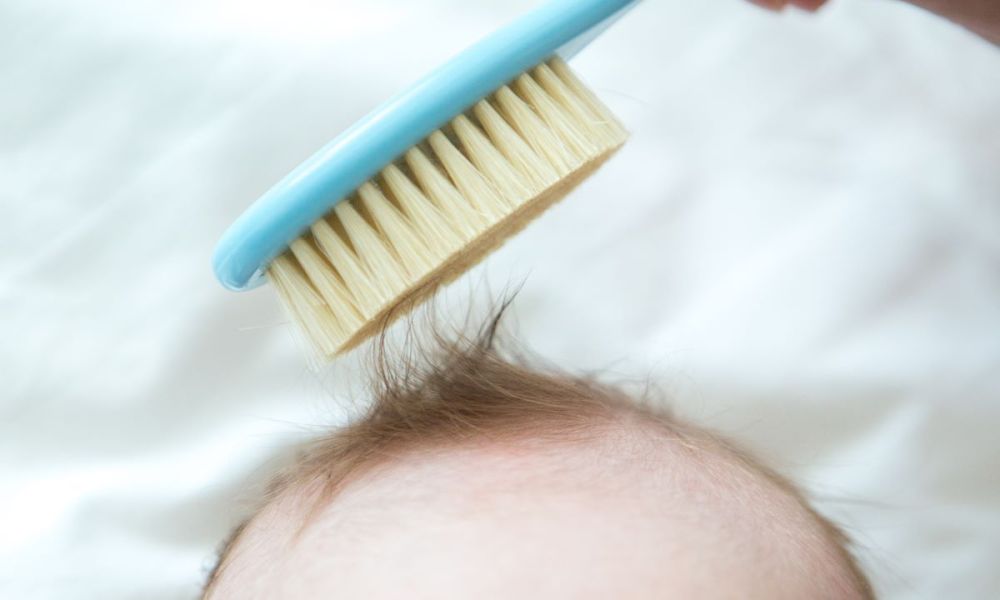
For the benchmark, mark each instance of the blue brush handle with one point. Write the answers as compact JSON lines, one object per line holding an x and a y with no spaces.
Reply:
{"x":281,"y":215}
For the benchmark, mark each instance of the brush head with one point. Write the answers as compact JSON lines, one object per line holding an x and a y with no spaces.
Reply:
{"x":452,"y":199}
{"x":425,"y":186}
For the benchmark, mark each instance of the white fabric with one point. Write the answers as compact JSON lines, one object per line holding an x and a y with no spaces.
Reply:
{"x":801,"y":242}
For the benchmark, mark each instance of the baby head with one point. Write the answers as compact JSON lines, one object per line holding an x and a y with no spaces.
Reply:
{"x":479,"y":477}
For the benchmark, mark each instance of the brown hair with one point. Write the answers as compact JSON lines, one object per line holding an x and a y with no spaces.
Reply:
{"x":477,"y":388}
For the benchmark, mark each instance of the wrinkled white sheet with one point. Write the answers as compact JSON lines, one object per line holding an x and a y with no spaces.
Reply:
{"x":801,"y":242}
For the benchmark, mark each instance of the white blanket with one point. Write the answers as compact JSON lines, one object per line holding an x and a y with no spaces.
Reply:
{"x":801,"y":243}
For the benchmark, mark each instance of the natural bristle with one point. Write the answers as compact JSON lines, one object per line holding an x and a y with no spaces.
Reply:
{"x":442,"y":207}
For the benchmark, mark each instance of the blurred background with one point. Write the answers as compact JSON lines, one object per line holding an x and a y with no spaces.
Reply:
{"x":801,"y":245}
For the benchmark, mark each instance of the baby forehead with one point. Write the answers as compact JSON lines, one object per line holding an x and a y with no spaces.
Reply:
{"x":626,"y":468}
{"x":626,"y":490}
{"x":604,"y":461}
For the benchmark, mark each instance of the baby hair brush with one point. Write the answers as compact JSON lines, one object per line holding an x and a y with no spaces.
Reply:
{"x":427,"y":185}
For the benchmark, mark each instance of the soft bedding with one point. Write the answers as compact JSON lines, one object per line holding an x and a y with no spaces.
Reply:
{"x":801,"y":245}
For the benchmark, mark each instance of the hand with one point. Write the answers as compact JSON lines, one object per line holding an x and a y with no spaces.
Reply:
{"x":979,"y":16}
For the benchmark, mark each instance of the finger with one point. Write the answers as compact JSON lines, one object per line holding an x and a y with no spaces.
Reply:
{"x":775,"y":5}
{"x":809,"y":5}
